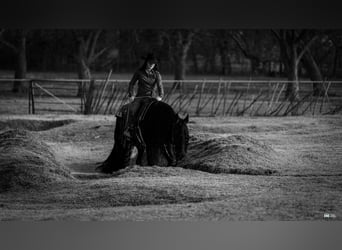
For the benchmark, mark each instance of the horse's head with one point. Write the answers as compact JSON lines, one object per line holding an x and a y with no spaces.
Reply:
{"x":181,"y":137}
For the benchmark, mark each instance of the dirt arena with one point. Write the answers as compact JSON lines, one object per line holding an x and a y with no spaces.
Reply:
{"x":237,"y":168}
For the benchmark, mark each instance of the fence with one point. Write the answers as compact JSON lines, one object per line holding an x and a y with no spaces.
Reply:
{"x":195,"y":97}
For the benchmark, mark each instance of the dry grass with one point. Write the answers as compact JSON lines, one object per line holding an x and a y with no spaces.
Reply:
{"x":27,"y":162}
{"x":235,"y":154}
{"x":261,"y":99}
{"x":302,"y":150}
{"x":213,"y":197}
{"x":32,"y":125}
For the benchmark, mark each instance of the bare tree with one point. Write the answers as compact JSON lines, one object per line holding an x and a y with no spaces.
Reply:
{"x":179,"y":43}
{"x":224,"y":44}
{"x":336,"y":39}
{"x":320,"y":58}
{"x":313,"y":71}
{"x":19,"y":49}
{"x":226,"y":66}
{"x":88,"y":52}
{"x":203,"y":51}
{"x":248,"y":50}
{"x":293,"y":45}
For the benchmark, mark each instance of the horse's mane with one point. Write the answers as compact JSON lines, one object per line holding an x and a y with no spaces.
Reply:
{"x":158,"y":122}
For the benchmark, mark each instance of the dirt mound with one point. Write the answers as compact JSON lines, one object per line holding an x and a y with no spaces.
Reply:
{"x":33,"y":125}
{"x":234,"y":154}
{"x":27,"y":162}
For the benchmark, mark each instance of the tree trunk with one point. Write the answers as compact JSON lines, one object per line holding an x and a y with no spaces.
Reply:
{"x":180,"y":68}
{"x":255,"y":62}
{"x":180,"y":44}
{"x":87,"y":55}
{"x":336,"y":58}
{"x":281,"y":68}
{"x":195,"y":61}
{"x":21,"y":66}
{"x":83,"y":67}
{"x":83,"y":70}
{"x":292,"y":90}
{"x":212,"y":62}
{"x":226,"y":67}
{"x":314,"y":73}
{"x":89,"y":98}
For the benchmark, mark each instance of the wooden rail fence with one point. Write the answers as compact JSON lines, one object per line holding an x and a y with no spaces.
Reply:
{"x":195,"y":97}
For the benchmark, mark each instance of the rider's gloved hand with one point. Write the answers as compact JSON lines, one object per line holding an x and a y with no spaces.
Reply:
{"x":131,"y":99}
{"x":158,"y":98}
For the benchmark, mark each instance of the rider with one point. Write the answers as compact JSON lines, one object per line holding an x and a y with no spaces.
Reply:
{"x":148,"y":78}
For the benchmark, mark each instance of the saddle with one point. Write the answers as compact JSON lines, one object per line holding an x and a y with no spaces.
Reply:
{"x":124,"y":113}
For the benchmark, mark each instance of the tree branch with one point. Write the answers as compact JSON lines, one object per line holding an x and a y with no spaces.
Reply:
{"x":97,"y":55}
{"x":277,"y":35}
{"x":188,"y":41}
{"x":93,"y":44}
{"x":9,"y":45}
{"x":301,"y":35}
{"x":281,"y":36}
{"x":6,"y":43}
{"x":306,"y":48}
{"x":245,"y":51}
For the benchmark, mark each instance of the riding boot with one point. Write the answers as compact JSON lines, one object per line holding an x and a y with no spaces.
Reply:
{"x":129,"y":132}
{"x":130,"y":125}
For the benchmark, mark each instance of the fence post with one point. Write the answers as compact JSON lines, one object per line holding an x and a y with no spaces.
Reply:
{"x":180,"y":95}
{"x":200,"y":97}
{"x":32,"y":97}
{"x":29,"y":97}
{"x":82,"y":95}
{"x":224,"y":97}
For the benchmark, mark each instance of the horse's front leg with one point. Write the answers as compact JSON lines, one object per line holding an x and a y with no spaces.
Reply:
{"x":153,"y":154}
{"x":141,"y":156}
{"x":125,"y":155}
{"x":169,"y":150}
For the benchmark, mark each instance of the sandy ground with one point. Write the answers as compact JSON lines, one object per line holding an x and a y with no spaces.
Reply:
{"x":303,"y":155}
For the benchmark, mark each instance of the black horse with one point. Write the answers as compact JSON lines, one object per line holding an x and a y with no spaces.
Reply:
{"x":165,"y":139}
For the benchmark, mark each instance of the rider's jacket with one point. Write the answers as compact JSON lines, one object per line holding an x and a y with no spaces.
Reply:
{"x":147,"y":81}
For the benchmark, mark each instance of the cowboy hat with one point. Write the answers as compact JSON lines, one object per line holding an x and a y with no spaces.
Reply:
{"x":150,"y":57}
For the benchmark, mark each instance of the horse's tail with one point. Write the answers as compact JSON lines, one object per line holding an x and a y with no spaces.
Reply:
{"x":119,"y":157}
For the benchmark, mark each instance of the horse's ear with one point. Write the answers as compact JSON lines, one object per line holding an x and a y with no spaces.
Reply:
{"x":186,"y":119}
{"x":180,"y":118}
